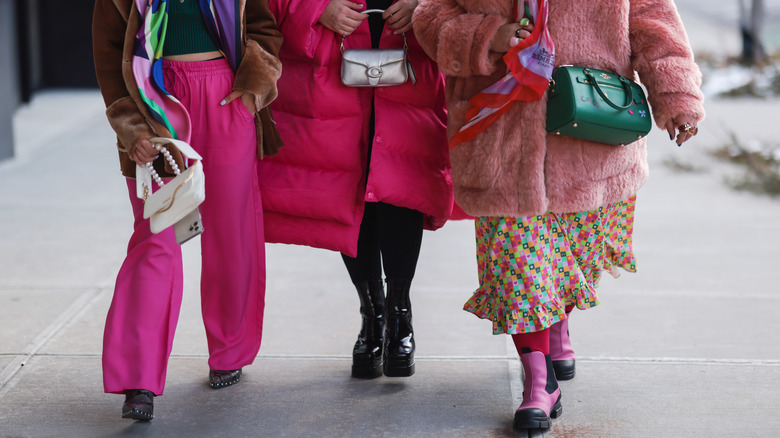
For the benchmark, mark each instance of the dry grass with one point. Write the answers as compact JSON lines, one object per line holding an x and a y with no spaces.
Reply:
{"x":761,"y":164}
{"x":762,"y":81}
{"x":676,"y":164}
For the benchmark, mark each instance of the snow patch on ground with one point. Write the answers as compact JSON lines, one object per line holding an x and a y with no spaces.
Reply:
{"x":738,"y":80}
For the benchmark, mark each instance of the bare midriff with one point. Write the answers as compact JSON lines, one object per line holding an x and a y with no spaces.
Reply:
{"x":194,"y":57}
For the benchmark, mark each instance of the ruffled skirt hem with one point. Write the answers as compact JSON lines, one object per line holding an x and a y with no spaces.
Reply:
{"x":533,"y":268}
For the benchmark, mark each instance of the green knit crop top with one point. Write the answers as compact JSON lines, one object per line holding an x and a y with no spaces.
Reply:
{"x":186,"y":32}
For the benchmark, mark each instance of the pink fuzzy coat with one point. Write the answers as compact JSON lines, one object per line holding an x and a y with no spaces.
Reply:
{"x":516,"y":168}
{"x":315,"y":190}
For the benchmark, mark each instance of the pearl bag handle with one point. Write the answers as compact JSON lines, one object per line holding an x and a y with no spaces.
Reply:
{"x":168,"y":157}
{"x":147,"y":172}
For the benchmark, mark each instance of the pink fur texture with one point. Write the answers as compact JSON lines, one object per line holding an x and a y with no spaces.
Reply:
{"x":515,"y":168}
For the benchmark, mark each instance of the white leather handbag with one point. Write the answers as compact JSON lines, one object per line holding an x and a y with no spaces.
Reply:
{"x":177,"y":199}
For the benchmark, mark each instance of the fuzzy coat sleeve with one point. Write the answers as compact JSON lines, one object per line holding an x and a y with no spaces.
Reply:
{"x":260,"y":67}
{"x":458,"y":41}
{"x":663,"y":58}
{"x":109,"y":25}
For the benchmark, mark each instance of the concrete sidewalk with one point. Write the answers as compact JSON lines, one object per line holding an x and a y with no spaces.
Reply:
{"x":689,"y":346}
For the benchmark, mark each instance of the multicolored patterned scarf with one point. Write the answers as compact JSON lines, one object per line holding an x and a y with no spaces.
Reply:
{"x":530,"y":66}
{"x":223,"y":23}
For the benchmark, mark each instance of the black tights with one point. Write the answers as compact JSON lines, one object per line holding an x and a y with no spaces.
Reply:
{"x":390,"y":237}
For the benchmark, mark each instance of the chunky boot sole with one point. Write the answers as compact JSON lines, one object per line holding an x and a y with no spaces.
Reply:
{"x":363,"y":369}
{"x":360,"y":372}
{"x":139,"y":405}
{"x":564,"y":369}
{"x":403,"y":367}
{"x":137,"y":414}
{"x":534,"y":418}
{"x":221,"y":385}
{"x":223,"y":379}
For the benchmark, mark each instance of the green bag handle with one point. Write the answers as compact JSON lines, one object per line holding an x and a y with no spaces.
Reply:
{"x":626,"y":85}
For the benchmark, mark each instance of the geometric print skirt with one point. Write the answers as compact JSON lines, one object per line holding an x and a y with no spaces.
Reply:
{"x":531,"y":268}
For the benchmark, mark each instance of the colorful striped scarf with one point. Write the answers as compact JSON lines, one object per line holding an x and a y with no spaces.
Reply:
{"x":223,"y":23}
{"x":530,"y":66}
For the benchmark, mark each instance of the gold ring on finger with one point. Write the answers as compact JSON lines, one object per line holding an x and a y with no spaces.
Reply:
{"x":692,"y":130}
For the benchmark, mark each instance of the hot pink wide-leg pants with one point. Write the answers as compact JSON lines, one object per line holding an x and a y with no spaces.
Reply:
{"x":145,"y":309}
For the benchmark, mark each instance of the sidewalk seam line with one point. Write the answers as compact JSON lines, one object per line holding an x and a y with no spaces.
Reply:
{"x":83,"y":302}
{"x":512,"y":359}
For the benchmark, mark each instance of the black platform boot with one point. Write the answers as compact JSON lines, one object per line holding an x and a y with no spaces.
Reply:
{"x":367,"y":354}
{"x":139,"y":405}
{"x":223,"y":378}
{"x":399,"y":335}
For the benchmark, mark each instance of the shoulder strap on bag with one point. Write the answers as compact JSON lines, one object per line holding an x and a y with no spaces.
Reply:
{"x":372,"y":11}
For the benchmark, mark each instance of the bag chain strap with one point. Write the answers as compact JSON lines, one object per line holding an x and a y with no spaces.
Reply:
{"x":370,"y":11}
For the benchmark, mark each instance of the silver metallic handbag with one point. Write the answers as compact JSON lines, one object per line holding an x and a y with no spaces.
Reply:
{"x":375,"y":67}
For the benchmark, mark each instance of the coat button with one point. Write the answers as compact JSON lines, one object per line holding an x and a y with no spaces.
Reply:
{"x":378,"y":139}
{"x":455,"y":65}
{"x":370,"y":196}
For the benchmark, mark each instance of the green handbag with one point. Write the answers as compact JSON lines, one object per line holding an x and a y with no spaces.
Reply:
{"x":596,"y":105}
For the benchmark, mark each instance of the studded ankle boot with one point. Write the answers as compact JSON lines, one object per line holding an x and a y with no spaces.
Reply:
{"x":219,"y":379}
{"x":367,"y":353}
{"x":139,"y":405}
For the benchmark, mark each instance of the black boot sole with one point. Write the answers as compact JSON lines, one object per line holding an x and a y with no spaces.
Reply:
{"x":364,"y":368}
{"x":137,"y":414}
{"x":536,"y":418}
{"x":366,"y":372}
{"x":399,"y":368}
{"x":564,"y":369}
{"x":218,"y":383}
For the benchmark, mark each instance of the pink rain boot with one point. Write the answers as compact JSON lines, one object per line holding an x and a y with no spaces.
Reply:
{"x":560,"y":350}
{"x":541,"y":395}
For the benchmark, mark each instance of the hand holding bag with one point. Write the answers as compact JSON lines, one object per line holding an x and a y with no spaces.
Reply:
{"x":177,"y":199}
{"x":375,"y":67}
{"x":598,"y":106}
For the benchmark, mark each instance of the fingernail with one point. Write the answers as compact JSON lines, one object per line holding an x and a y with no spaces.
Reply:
{"x":671,"y":137}
{"x":223,"y":102}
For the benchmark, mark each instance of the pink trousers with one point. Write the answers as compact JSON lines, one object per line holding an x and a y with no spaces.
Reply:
{"x":145,"y":309}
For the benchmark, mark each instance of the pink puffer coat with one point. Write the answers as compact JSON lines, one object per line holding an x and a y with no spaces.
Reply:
{"x":315,"y":189}
{"x":516,"y":168}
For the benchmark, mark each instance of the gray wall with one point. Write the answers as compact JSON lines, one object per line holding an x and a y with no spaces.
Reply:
{"x":9,"y":80}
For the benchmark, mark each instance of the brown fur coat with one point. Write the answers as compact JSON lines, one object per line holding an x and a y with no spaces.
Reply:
{"x":114,"y":26}
{"x":515,"y":168}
